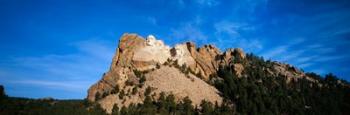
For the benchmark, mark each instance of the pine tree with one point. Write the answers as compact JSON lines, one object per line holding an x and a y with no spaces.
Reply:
{"x":115,"y":110}
{"x":2,"y":92}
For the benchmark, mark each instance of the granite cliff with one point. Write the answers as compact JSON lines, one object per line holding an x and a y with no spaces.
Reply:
{"x":148,"y":65}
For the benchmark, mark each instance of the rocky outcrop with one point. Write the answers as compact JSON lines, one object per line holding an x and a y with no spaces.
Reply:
{"x":238,"y":52}
{"x":121,"y":66}
{"x":238,"y":69}
{"x":206,"y":59}
{"x":290,"y":72}
{"x":183,"y":70}
{"x":171,"y":80}
{"x":148,"y":56}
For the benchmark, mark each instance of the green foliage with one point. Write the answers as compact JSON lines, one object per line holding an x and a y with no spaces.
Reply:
{"x":105,"y":94}
{"x":199,"y":75}
{"x":115,"y":110}
{"x":98,"y":96}
{"x":2,"y":92}
{"x":148,"y":91}
{"x":259,"y":93}
{"x":186,"y":106}
{"x":157,"y":66}
{"x":121,"y":94}
{"x":134,"y":90}
{"x":24,"y":106}
{"x":166,"y":105}
{"x":124,"y":111}
{"x":142,"y":79}
{"x":175,"y":64}
{"x":184,"y":69}
{"x":115,"y":90}
{"x":129,"y":82}
{"x":207,"y":108}
{"x":138,"y":73}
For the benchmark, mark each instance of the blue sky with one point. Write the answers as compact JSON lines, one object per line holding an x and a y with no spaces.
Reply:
{"x":58,"y":48}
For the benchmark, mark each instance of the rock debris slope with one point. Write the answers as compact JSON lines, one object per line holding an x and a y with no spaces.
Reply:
{"x":183,"y":70}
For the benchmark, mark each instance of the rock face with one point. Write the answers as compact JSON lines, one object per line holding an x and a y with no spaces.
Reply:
{"x":121,"y":65}
{"x":149,"y":56}
{"x":183,"y":70}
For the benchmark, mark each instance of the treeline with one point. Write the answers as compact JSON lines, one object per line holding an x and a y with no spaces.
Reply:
{"x":25,"y":106}
{"x":259,"y":93}
{"x":166,"y":105}
{"x":46,"y":106}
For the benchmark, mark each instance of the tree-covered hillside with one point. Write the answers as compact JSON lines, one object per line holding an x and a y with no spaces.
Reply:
{"x":26,"y":106}
{"x":255,"y":93}
{"x":259,"y":93}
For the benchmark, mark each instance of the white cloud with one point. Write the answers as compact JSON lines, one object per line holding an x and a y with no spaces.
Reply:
{"x":275,"y":52}
{"x":74,"y":71}
{"x":249,"y":45}
{"x":324,"y":50}
{"x":305,"y":59}
{"x":249,"y":7}
{"x":313,"y":46}
{"x":208,"y":3}
{"x":226,"y":27}
{"x":330,"y":58}
{"x":188,"y":32}
{"x":228,"y":35}
{"x":291,"y":55}
{"x":181,"y":3}
{"x":200,"y":3}
{"x":319,"y":71}
{"x":285,"y":52}
{"x":96,"y":48}
{"x":152,"y":20}
{"x":198,"y":20}
{"x":231,"y":28}
{"x":304,"y":65}
{"x":64,"y":85}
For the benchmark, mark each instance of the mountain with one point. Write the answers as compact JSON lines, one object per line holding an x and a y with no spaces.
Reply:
{"x":162,"y":67}
{"x":144,"y":68}
{"x":148,"y":77}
